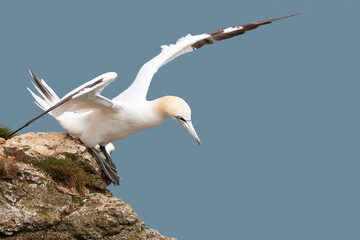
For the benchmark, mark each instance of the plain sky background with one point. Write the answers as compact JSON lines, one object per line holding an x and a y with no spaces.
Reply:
{"x":277,"y":109}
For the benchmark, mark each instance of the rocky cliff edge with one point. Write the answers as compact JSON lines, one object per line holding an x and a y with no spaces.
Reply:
{"x":52,"y":188}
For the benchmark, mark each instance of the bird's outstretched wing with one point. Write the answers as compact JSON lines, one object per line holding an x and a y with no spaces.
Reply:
{"x":138,"y":89}
{"x":85,"y":97}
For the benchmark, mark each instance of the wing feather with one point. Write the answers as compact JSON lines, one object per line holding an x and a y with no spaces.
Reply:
{"x":85,"y":97}
{"x":138,"y":89}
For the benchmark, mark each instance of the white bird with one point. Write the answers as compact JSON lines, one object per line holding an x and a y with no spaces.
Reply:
{"x":97,"y":120}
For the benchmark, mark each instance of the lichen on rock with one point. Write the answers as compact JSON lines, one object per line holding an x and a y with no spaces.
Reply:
{"x":35,"y":204}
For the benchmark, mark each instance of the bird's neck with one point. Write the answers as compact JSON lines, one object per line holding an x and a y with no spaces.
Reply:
{"x":158,"y":107}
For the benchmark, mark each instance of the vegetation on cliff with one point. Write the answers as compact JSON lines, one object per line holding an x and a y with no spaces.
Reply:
{"x":52,"y":188}
{"x":5,"y":132}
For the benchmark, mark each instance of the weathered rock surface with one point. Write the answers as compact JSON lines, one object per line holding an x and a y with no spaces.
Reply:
{"x":34,"y":205}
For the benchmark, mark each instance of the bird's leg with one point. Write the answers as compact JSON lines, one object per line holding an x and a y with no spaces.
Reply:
{"x":107,"y":156}
{"x":110,"y":171}
{"x":109,"y":160}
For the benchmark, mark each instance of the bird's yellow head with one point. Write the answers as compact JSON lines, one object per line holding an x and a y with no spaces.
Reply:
{"x":174,"y":106}
{"x":178,"y":109}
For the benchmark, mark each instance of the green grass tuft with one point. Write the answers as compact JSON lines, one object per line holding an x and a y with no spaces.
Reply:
{"x":66,"y":171}
{"x":5,"y":132}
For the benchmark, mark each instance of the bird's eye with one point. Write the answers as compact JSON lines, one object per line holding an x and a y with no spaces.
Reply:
{"x":180,"y":118}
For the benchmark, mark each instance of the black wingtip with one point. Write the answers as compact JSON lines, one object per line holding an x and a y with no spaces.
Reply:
{"x":33,"y":76}
{"x":11,"y":135}
{"x":292,"y":15}
{"x":37,"y":81}
{"x":298,"y":13}
{"x":267,"y":21}
{"x":14,"y":132}
{"x":31,"y":73}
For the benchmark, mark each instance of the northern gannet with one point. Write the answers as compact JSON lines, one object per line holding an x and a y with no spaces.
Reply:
{"x":97,"y":120}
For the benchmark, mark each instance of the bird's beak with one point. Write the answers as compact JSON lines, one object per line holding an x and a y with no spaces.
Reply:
{"x":187,"y":124}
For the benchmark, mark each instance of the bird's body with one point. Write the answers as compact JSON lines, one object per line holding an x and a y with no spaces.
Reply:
{"x":125,"y":119}
{"x":97,"y":120}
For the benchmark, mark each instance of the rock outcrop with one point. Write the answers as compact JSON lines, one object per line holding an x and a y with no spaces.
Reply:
{"x":52,"y":188}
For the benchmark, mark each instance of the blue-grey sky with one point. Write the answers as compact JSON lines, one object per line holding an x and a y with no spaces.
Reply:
{"x":277,"y":109}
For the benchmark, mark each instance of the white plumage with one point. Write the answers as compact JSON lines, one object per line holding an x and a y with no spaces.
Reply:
{"x":97,"y":120}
